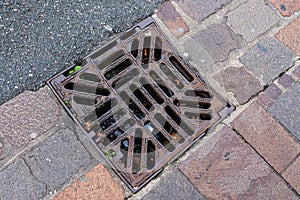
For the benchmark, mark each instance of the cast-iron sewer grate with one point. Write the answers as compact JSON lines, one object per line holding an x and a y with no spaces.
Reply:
{"x":139,"y":102}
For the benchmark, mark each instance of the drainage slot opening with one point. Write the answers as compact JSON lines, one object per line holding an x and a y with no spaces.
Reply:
{"x":146,"y":50}
{"x":171,"y":76}
{"x":89,"y":77}
{"x":178,"y":121}
{"x":85,"y":101}
{"x":141,"y":97}
{"x":87,"y":88}
{"x":100,"y":110}
{"x":137,"y":150}
{"x":125,"y":78}
{"x":151,"y":91}
{"x":161,"y":84}
{"x":192,"y":104}
{"x":112,"y":58}
{"x":181,"y":69}
{"x":197,"y":93}
{"x":135,"y":47}
{"x":169,"y":128}
{"x":132,"y":106}
{"x":159,"y":136}
{"x":113,"y":135}
{"x":109,"y":121}
{"x":150,"y":155}
{"x":104,"y":49}
{"x":118,"y":69}
{"x":124,"y":150}
{"x":197,"y":116}
{"x":158,"y":49}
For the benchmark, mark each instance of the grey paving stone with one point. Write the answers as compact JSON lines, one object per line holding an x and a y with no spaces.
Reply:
{"x":240,"y":82}
{"x":252,"y":19}
{"x":6,"y":150}
{"x":212,"y":44}
{"x":56,"y":159}
{"x":173,"y":186}
{"x":268,"y":58}
{"x":16,"y":182}
{"x":30,"y":113}
{"x":201,"y":9}
{"x":286,"y":109}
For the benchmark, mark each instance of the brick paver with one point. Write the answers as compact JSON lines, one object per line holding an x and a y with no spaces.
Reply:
{"x":273,"y":91}
{"x":286,"y":80}
{"x":252,"y":19}
{"x":287,"y":110}
{"x":239,"y":81}
{"x":286,"y":7}
{"x":28,"y":115}
{"x":172,"y":19}
{"x":218,"y":40}
{"x":199,"y":10}
{"x":268,"y":58}
{"x":16,"y":182}
{"x":58,"y":158}
{"x":96,"y":184}
{"x":265,"y":135}
{"x":173,"y":186}
{"x":225,"y":167}
{"x":292,"y":175}
{"x":290,"y":36}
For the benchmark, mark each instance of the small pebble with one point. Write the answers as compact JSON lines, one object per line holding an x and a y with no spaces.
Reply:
{"x":33,"y":135}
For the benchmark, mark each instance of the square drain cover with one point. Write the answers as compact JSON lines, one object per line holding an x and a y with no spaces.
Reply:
{"x":139,"y":102}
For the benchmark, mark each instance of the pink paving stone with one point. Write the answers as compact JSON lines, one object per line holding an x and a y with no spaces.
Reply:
{"x":290,"y":36}
{"x":28,"y":115}
{"x":269,"y":139}
{"x":171,"y":18}
{"x":225,"y":167}
{"x":286,"y":7}
{"x":292,"y":175}
{"x":264,"y":100}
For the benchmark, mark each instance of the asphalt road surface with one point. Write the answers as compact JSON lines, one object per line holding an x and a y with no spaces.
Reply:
{"x":40,"y":38}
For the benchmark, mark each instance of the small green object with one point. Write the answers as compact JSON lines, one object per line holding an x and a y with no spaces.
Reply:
{"x":77,"y":68}
{"x":71,"y":72}
{"x":67,"y":102}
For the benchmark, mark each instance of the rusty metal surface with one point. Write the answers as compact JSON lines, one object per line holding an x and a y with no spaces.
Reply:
{"x":139,"y":102}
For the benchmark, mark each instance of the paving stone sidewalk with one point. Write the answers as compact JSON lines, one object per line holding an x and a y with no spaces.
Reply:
{"x":247,"y":50}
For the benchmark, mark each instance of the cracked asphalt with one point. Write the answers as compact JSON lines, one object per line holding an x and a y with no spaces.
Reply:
{"x":40,"y":38}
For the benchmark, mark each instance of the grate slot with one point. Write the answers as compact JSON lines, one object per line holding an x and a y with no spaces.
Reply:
{"x":178,"y":120}
{"x":128,"y":34}
{"x":201,"y":116}
{"x":87,"y":89}
{"x":135,"y":48}
{"x":124,"y":150}
{"x":158,"y":49}
{"x":181,"y":69}
{"x":100,"y":110}
{"x":137,"y":150}
{"x":161,"y":84}
{"x":85,"y":101}
{"x":125,"y":78}
{"x":118,"y":69}
{"x":176,"y":81}
{"x":192,"y":104}
{"x":197,"y":93}
{"x":151,"y":91}
{"x":89,"y":77}
{"x":159,"y":136}
{"x":150,"y":155}
{"x":169,"y":128}
{"x":111,"y":120}
{"x":103,"y":50}
{"x":132,"y":106}
{"x":112,"y":58}
{"x":141,"y":97}
{"x":146,"y":51}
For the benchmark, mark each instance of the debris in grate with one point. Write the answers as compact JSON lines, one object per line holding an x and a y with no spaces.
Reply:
{"x":139,"y":102}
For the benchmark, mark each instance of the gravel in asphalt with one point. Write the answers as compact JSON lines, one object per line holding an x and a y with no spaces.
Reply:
{"x":40,"y":38}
